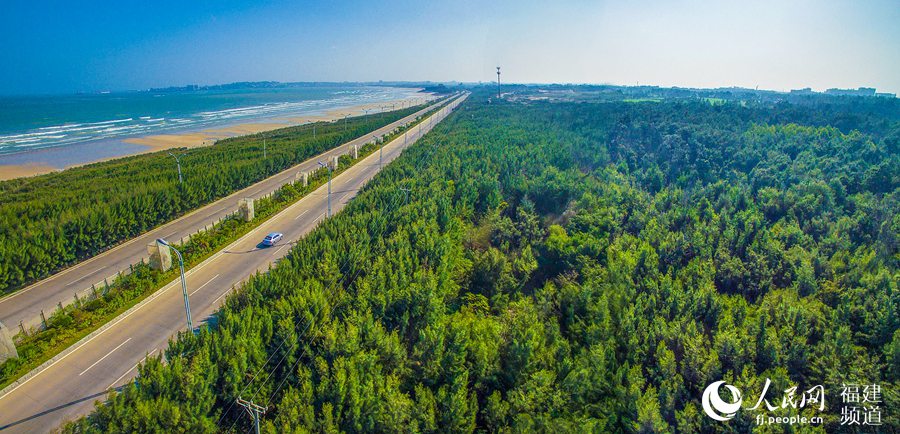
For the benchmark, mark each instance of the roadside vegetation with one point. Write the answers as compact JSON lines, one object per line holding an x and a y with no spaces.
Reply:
{"x":51,"y":221}
{"x":67,"y":326}
{"x":567,"y":267}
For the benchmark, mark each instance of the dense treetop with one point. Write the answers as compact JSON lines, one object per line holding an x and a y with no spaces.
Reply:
{"x":571,"y":267}
{"x":50,"y":221}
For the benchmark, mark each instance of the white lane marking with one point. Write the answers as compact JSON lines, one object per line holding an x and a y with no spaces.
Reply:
{"x":301,"y":214}
{"x":232,"y":196}
{"x":319,"y":218}
{"x":146,"y":301}
{"x":86,"y":276}
{"x":220,"y":297}
{"x":344,"y":197}
{"x":207,"y":283}
{"x":278,"y":250}
{"x":107,"y":355}
{"x":132,"y":368}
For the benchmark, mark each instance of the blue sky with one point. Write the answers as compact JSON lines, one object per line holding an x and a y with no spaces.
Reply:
{"x":59,"y":46}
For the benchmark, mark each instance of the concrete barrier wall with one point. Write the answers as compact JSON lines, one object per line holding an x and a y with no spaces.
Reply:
{"x":95,"y":290}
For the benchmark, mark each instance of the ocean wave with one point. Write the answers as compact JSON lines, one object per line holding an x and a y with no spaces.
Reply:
{"x":57,"y":127}
{"x":117,"y":121}
{"x":147,"y":124}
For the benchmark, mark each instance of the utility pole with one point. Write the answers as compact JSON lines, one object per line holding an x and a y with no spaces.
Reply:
{"x":254,"y":410}
{"x":264,"y":148}
{"x":329,"y":186}
{"x":498,"y":82}
{"x":178,"y":162}
{"x":406,"y":190}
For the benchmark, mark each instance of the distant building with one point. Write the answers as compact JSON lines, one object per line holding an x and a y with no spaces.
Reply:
{"x":804,"y":91}
{"x":863,"y":91}
{"x":886,"y":95}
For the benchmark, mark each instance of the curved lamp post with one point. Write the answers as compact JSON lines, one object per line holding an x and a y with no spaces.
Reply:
{"x":380,"y":152}
{"x":187,"y":303}
{"x":329,"y":186}
{"x":178,"y":162}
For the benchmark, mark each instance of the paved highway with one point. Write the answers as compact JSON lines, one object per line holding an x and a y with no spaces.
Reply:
{"x":26,"y":304}
{"x":69,"y":387}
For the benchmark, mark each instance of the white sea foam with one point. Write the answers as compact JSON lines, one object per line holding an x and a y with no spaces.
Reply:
{"x":60,"y":127}
{"x":70,"y":133}
{"x":117,"y":121}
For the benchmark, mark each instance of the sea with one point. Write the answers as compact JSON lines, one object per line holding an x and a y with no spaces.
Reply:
{"x":67,"y":130}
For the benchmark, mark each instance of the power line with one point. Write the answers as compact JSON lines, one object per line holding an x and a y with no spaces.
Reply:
{"x":348,"y":261}
{"x":342,"y":270}
{"x":333,"y":293}
{"x":269,"y":358}
{"x":277,"y":389}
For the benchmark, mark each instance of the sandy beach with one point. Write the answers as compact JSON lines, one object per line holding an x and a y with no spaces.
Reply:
{"x":207,"y":137}
{"x":22,"y":170}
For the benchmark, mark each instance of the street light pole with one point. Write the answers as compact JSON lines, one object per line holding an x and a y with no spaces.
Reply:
{"x":187,"y":303}
{"x":178,"y":162}
{"x":380,"y":153}
{"x":329,"y":187}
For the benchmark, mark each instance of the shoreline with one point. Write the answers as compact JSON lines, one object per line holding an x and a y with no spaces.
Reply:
{"x":13,"y":171}
{"x":194,"y":139}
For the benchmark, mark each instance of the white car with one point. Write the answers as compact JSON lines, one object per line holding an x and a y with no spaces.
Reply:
{"x":272,"y":239}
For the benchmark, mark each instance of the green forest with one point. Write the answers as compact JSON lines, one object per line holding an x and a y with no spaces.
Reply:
{"x":64,"y":327}
{"x":52,"y":221}
{"x":569,"y":266}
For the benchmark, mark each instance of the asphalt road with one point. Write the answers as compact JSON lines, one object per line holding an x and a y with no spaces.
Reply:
{"x":68,"y":388}
{"x":26,"y":304}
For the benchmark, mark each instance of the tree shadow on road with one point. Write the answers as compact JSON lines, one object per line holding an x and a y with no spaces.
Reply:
{"x":57,"y":408}
{"x":258,"y":247}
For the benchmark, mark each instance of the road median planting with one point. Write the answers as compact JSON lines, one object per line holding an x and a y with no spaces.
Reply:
{"x":72,"y":325}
